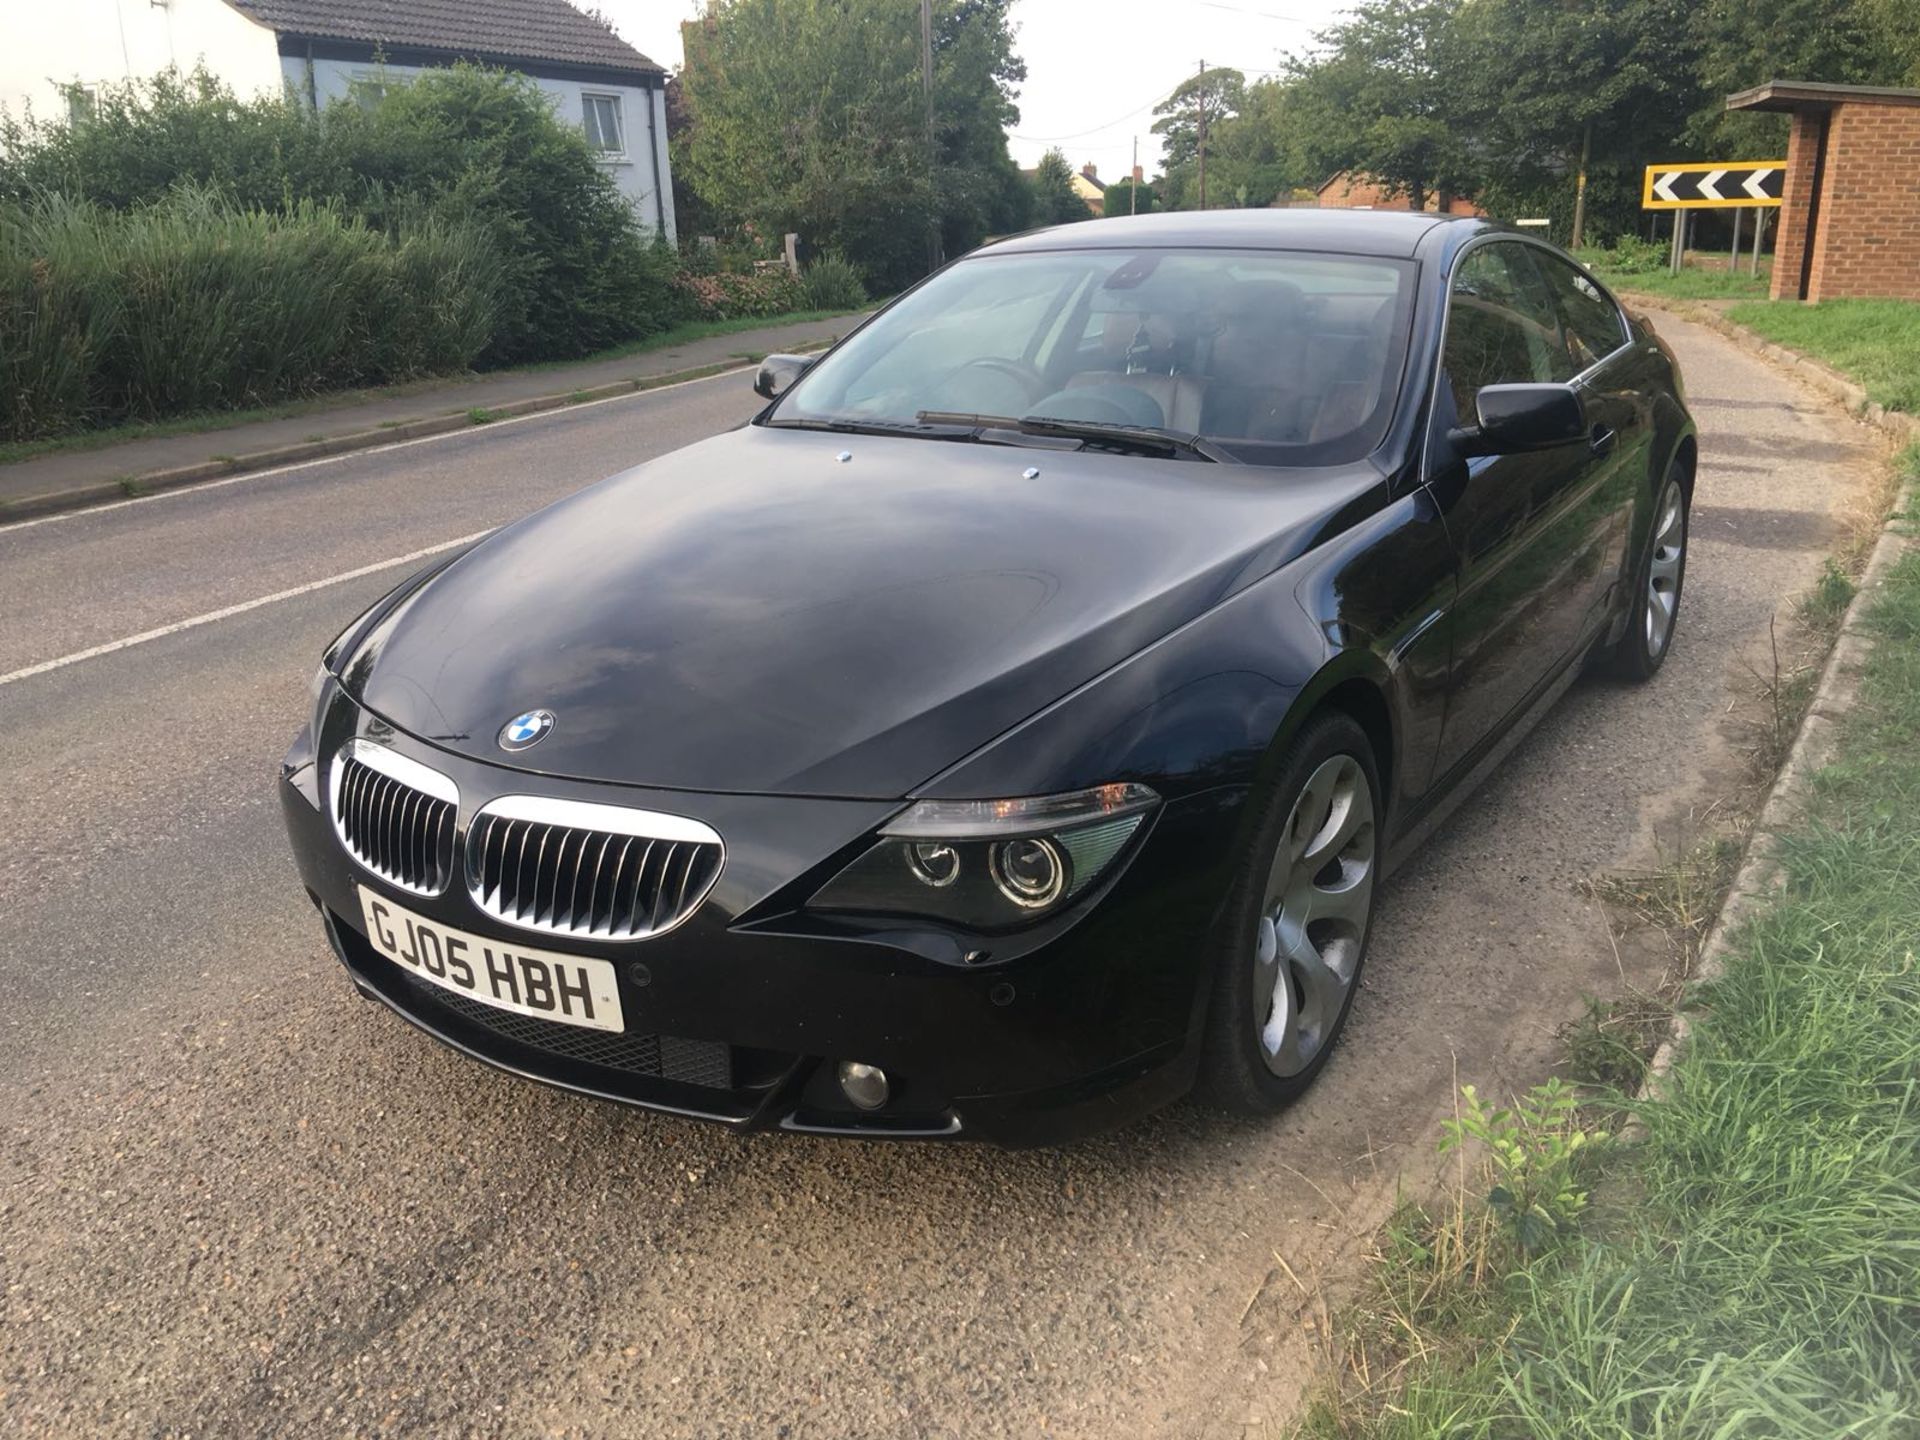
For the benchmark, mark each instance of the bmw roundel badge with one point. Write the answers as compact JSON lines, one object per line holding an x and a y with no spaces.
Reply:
{"x":527,"y":729}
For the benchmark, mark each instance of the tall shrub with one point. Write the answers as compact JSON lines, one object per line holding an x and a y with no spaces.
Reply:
{"x":474,"y":146}
{"x":193,"y":303}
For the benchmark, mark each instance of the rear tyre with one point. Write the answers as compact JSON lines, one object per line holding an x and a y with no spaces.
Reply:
{"x":1294,"y":933}
{"x":1655,"y":604}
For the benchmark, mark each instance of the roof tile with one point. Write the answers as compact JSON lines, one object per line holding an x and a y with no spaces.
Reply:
{"x":529,"y":30}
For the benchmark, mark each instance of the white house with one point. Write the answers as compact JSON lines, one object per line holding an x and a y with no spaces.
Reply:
{"x":57,"y":54}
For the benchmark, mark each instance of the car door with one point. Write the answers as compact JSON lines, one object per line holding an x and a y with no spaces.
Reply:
{"x":1528,"y":529}
{"x":1613,"y":387}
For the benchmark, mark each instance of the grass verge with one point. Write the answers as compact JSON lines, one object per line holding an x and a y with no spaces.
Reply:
{"x":1877,"y":342}
{"x":1750,"y":1264}
{"x":211,"y":421}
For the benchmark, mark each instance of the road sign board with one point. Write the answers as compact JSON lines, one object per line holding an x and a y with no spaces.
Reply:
{"x":1733,"y":184}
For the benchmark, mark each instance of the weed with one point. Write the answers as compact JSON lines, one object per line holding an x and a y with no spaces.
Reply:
{"x":130,"y":485}
{"x":230,"y":461}
{"x":1823,"y":607}
{"x":1680,"y":898}
{"x":1610,"y":1044}
{"x":1534,"y":1152}
{"x":479,"y":415}
{"x":315,"y":438}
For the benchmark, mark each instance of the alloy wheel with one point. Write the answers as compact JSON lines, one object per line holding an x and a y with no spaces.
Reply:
{"x":1664,"y":568}
{"x":1313,"y":920}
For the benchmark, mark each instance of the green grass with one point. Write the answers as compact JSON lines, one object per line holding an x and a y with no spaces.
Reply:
{"x":1636,"y":269}
{"x":211,"y":421}
{"x":1877,"y":342}
{"x":1751,"y":1266}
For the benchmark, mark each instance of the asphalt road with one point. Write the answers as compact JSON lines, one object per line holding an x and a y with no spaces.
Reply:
{"x":237,"y":1200}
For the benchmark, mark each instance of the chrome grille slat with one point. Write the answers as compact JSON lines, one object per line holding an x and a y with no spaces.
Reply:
{"x":598,"y":871}
{"x":395,"y":816}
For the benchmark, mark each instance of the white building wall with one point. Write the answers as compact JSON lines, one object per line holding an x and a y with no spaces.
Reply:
{"x":643,"y":122}
{"x":49,"y":45}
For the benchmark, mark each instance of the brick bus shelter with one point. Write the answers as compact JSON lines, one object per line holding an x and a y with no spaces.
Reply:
{"x":1850,"y":215}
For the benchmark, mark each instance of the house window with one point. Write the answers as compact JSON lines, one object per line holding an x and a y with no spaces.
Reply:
{"x":602,"y":113}
{"x":367,"y":90}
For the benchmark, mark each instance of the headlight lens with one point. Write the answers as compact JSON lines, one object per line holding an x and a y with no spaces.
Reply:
{"x":991,"y":864}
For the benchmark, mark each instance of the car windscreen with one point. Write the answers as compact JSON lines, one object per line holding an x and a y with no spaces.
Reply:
{"x":1278,"y":357}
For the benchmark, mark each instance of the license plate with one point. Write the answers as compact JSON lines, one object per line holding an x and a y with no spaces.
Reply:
{"x":569,"y":989}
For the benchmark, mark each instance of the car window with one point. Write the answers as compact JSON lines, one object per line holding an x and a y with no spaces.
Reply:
{"x":1501,"y":326}
{"x":1594,"y":326}
{"x":1280,"y":357}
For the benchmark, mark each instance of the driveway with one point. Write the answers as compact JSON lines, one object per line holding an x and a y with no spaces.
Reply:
{"x":237,"y":1200}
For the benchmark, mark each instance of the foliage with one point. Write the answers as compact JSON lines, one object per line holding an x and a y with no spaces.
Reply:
{"x":1054,"y":200}
{"x":1534,"y":1150}
{"x":1391,"y":98}
{"x":1125,"y":198}
{"x":1214,"y":97}
{"x":1754,"y":1267}
{"x":1877,"y":342}
{"x":465,"y":144}
{"x":729,"y":295}
{"x":832,"y":282}
{"x":808,"y":116}
{"x":193,"y":303}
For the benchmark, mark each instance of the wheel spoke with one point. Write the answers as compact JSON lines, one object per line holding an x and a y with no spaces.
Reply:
{"x":1319,"y":897}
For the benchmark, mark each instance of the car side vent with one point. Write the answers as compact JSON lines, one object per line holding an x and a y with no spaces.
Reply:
{"x":395,"y":816}
{"x":600,"y":872}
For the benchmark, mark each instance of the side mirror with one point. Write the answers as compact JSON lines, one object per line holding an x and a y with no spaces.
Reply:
{"x":777,"y":374}
{"x":1514,"y":418}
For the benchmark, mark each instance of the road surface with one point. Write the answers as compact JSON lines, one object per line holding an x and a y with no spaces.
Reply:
{"x":235,"y":1199}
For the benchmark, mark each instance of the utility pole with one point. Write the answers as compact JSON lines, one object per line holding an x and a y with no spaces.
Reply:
{"x":1133,"y":180}
{"x":1202,"y":94}
{"x":926,"y":87}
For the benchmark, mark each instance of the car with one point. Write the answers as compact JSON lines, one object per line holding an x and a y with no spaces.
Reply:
{"x":1008,"y":730}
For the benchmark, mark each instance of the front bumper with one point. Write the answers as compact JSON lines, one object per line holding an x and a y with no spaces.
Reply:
{"x":739,"y":1015}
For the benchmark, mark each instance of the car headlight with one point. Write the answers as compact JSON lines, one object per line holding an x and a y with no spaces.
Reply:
{"x":990,"y":864}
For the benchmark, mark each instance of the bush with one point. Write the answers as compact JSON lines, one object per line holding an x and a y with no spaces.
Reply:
{"x":726,"y":296}
{"x":193,"y":303}
{"x":471,"y":146}
{"x":832,"y":282}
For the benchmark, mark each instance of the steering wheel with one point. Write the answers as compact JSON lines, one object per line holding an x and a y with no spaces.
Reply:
{"x":1019,"y":370}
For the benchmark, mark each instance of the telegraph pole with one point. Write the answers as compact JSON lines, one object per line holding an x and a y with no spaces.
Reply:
{"x":1202,"y":94}
{"x":1133,"y":180}
{"x":926,"y":88}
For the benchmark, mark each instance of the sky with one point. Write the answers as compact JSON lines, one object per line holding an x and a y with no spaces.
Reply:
{"x":1095,"y":68}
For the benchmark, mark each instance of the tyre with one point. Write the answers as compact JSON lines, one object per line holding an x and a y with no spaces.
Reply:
{"x":1655,"y":596}
{"x":1294,"y":933}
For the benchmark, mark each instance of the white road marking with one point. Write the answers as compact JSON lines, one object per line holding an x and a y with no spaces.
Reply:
{"x":200,"y":487}
{"x":229,"y":611}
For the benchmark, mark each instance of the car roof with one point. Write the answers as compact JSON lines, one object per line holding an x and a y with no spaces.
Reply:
{"x":1352,"y":232}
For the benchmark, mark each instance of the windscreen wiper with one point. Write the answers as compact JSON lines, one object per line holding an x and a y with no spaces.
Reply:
{"x":875,"y":427}
{"x":1152,"y":439}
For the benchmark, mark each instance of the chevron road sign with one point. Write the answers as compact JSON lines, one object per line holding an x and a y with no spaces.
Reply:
{"x":1736,"y":184}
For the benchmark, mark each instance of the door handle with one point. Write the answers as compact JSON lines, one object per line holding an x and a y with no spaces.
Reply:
{"x":1602,"y":440}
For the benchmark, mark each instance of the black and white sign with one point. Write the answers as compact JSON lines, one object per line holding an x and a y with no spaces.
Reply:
{"x":1748,"y":184}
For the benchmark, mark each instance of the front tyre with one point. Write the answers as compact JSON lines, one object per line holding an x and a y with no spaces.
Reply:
{"x":1640,"y":652}
{"x":1295,"y":928}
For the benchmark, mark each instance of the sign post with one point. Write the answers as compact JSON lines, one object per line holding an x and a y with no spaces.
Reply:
{"x":1734,"y":185}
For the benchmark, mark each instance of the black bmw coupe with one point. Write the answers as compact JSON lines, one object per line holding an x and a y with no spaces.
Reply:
{"x":1008,"y":730}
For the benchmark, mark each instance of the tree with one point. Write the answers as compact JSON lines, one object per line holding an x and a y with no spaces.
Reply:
{"x":1390,"y":98}
{"x":808,"y":115}
{"x":1257,"y":151}
{"x":1214,"y":97}
{"x":1054,"y":201}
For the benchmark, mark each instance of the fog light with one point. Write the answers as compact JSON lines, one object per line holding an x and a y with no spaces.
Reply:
{"x":864,"y":1085}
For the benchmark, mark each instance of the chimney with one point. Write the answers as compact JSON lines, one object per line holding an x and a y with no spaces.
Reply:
{"x":1091,"y":173}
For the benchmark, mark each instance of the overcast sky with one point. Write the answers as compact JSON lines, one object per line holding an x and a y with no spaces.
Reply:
{"x":1095,"y":68}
